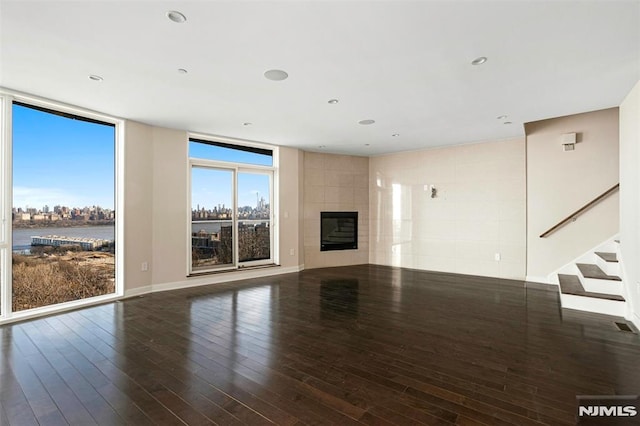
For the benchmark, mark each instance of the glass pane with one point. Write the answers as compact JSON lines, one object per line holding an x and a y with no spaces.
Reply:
{"x":63,"y":214}
{"x":254,"y":214}
{"x":219,"y":153}
{"x":211,"y":218}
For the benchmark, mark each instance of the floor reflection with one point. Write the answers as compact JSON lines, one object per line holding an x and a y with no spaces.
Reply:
{"x":234,"y":327}
{"x":339,"y":297}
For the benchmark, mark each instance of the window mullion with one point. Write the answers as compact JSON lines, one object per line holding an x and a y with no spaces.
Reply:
{"x":5,"y":203}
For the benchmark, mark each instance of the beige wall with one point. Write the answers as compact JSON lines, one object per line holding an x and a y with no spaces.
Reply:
{"x":290,"y":214}
{"x":138,"y":184}
{"x":157,"y":214}
{"x":558,"y":183}
{"x":170,"y":210}
{"x":335,"y":183}
{"x":630,"y":198}
{"x":479,"y":209}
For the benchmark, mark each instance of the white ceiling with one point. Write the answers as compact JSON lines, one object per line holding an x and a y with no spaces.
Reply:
{"x":405,"y":64}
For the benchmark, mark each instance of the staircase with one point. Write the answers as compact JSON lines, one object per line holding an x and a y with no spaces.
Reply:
{"x":592,"y":283}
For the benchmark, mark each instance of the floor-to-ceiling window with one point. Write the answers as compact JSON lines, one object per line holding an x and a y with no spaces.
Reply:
{"x":231,"y":205}
{"x":59,"y":206}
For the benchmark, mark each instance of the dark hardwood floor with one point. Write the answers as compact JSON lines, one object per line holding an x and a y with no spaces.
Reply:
{"x":363,"y":344}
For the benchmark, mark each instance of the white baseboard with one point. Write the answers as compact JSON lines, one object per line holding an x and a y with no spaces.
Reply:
{"x":138,"y":291}
{"x":225,"y":278}
{"x":635,"y":319}
{"x":539,"y":280}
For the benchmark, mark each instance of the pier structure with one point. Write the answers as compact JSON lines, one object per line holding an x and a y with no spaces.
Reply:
{"x":88,"y":244}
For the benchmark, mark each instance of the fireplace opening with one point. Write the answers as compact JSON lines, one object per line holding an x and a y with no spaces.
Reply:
{"x":338,"y":231}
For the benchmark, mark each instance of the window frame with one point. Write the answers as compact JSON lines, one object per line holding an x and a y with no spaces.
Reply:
{"x":9,"y":97}
{"x":236,"y":168}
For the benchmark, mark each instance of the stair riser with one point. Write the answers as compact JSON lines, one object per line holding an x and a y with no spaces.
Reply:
{"x":602,"y":286}
{"x":589,"y":304}
{"x":610,"y":268}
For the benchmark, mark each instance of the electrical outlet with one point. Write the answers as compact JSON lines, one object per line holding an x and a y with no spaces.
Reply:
{"x":496,"y":256}
{"x":144,"y":266}
{"x":292,"y":252}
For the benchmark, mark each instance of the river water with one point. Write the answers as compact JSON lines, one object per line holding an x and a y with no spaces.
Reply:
{"x":22,"y":237}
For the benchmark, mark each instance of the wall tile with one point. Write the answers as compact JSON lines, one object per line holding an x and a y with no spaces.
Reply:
{"x":313,"y":160}
{"x":314,"y":194}
{"x":330,"y":185}
{"x":479,"y":210}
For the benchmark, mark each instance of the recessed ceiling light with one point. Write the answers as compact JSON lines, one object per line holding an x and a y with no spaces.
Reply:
{"x":332,"y":101}
{"x":366,"y":122}
{"x":367,"y":144}
{"x":276,"y":75}
{"x":176,"y":17}
{"x":182,"y":71}
{"x":395,"y":135}
{"x":95,"y":77}
{"x":507,"y":122}
{"x":479,"y":61}
{"x":247,"y":124}
{"x":501,"y":117}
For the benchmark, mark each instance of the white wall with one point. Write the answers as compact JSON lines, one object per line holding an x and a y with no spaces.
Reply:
{"x":479,"y":209}
{"x":630,"y":197}
{"x":559,"y":183}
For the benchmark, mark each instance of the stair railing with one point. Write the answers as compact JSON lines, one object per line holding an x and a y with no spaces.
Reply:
{"x":574,"y":216}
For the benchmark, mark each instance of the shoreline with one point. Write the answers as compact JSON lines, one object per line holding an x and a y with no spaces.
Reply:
{"x":61,"y":224}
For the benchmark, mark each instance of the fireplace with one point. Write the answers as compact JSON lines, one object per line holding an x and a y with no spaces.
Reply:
{"x":338,"y":231}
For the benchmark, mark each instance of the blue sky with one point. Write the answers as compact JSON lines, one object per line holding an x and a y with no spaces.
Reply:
{"x":60,"y":161}
{"x":211,"y":188}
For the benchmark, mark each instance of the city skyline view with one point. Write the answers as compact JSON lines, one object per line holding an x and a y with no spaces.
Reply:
{"x":69,"y":162}
{"x":212,"y":187}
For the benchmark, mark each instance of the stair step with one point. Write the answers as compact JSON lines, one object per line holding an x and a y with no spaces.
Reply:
{"x":589,"y":270}
{"x":570,"y":284}
{"x":608,"y":257}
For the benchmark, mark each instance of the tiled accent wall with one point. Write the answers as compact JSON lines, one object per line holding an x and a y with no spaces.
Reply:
{"x":335,"y":183}
{"x":479,"y":210}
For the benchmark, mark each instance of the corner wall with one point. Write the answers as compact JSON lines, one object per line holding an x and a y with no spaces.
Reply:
{"x":335,"y":183}
{"x":478,"y":211}
{"x":138,"y":184}
{"x":290,"y":213}
{"x":559,"y":183}
{"x":170,"y":209}
{"x":630,"y":198}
